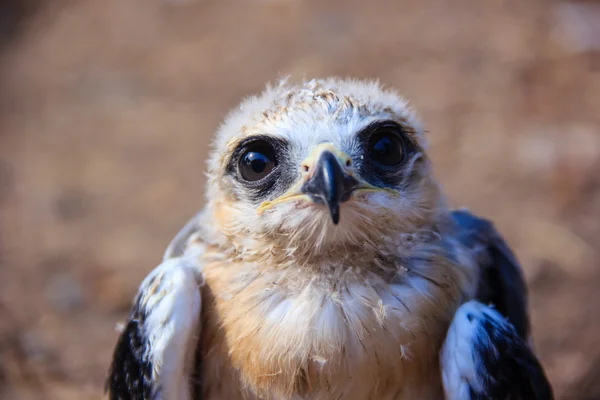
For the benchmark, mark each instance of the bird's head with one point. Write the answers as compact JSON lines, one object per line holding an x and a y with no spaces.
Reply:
{"x":305,"y":168}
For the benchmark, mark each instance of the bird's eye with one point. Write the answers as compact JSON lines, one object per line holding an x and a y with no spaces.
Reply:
{"x":257,"y":161}
{"x":386,"y":148}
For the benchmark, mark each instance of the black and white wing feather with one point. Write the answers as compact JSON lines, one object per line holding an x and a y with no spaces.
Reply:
{"x":154,"y":356}
{"x":486,"y":354}
{"x":485,"y":358}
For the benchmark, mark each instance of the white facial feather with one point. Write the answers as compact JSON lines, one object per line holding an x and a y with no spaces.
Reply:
{"x":306,"y":115}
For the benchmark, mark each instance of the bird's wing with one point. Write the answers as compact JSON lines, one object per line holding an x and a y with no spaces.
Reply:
{"x":484,"y":357}
{"x":154,"y":356}
{"x":486,"y":354}
{"x":501,"y":281}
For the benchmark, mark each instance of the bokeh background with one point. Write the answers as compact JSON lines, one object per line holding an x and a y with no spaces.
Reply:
{"x":107,"y":108}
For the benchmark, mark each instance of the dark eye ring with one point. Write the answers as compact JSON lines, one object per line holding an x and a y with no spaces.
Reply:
{"x":257,"y":161}
{"x":386,"y":147}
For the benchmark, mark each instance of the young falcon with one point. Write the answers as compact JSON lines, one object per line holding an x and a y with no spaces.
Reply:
{"x":326,"y":264}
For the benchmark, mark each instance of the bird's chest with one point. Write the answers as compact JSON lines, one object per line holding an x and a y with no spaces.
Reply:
{"x":361,"y":340}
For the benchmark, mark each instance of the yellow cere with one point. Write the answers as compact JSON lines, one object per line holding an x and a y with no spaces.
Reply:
{"x":314,"y":156}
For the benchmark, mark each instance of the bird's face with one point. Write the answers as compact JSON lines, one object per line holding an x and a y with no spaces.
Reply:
{"x":324,"y":162}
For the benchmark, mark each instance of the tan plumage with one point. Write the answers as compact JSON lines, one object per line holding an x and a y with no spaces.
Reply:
{"x":294,"y":306}
{"x":361,"y":316}
{"x":353,"y":334}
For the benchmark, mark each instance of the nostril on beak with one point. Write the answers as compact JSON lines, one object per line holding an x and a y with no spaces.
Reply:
{"x":329,"y":183}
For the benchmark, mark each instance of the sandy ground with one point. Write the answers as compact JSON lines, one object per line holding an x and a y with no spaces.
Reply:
{"x":107,"y":107}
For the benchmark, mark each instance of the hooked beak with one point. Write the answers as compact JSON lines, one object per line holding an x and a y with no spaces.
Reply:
{"x":329,"y":184}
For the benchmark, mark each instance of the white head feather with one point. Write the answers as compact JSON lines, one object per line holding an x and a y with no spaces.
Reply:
{"x":305,"y":115}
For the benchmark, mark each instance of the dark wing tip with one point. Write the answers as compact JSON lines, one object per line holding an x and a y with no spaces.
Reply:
{"x":129,"y":376}
{"x":507,"y":365}
{"x":483,"y":357}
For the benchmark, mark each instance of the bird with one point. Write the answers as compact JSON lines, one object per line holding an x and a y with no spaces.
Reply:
{"x":327,"y":263}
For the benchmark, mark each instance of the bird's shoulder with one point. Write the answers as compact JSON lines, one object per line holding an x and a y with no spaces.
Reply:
{"x":500,"y":279}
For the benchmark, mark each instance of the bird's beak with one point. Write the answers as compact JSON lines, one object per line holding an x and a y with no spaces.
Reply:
{"x":329,"y":182}
{"x":327,"y":178}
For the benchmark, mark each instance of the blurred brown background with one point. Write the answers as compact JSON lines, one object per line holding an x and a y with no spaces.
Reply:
{"x":107,"y":107}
